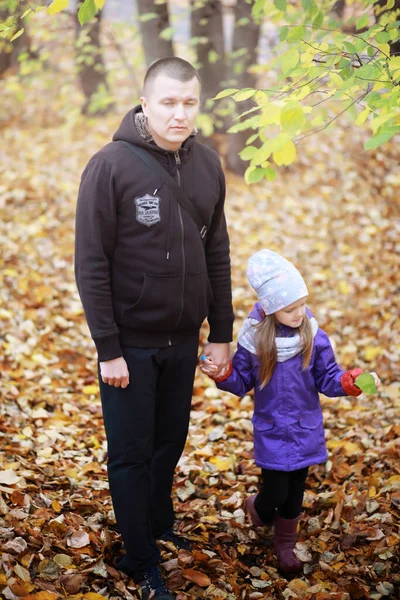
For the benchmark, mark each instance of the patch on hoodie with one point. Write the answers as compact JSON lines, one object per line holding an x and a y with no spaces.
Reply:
{"x":147,"y":210}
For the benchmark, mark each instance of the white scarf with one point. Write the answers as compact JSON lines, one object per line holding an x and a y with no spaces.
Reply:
{"x":287,"y":347}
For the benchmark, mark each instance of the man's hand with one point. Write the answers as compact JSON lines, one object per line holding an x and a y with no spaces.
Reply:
{"x":219,"y":359}
{"x":115,"y":372}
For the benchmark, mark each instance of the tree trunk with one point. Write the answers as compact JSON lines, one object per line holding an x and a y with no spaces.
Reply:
{"x":91,"y":68}
{"x":244,"y":54}
{"x":207,"y":31}
{"x":154,"y":46}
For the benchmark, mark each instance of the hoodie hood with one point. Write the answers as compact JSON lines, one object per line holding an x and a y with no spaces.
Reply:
{"x":133,"y":129}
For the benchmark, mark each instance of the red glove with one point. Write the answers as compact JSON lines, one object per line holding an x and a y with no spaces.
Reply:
{"x":223,"y":377}
{"x":347,"y":380}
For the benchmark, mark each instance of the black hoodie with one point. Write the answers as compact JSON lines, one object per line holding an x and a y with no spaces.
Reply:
{"x":143,"y":274}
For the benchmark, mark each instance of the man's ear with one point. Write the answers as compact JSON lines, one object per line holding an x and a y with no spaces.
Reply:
{"x":144,"y":105}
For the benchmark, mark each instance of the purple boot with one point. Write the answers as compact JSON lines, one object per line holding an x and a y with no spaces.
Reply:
{"x":284,"y":542}
{"x":251,"y":509}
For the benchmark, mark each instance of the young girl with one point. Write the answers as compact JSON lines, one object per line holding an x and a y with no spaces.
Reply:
{"x":287,"y":359}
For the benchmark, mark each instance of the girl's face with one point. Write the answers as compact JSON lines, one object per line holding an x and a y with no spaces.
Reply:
{"x":292,"y":315}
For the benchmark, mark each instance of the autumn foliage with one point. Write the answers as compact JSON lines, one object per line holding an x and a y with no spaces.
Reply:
{"x":335,"y":214}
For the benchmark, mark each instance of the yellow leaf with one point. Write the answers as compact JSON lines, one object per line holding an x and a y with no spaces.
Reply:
{"x":57,"y":6}
{"x":271,"y":114}
{"x":362,"y":117}
{"x":372,"y":492}
{"x":287,"y":155}
{"x":90,"y":390}
{"x":371,"y":352}
{"x":350,"y":448}
{"x":93,"y":596}
{"x":10,"y":272}
{"x":56,"y":506}
{"x":222,"y":464}
{"x":99,"y":3}
{"x":344,"y":288}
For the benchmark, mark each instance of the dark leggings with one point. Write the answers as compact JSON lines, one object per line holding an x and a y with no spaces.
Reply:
{"x":283,"y":491}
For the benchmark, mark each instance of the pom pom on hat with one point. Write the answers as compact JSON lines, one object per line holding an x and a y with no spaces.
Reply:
{"x":276,"y":281}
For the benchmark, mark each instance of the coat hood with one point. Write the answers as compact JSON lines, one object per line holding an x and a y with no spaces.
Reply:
{"x":133,"y":129}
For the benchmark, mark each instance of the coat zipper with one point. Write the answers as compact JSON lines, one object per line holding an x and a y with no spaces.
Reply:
{"x":178,"y":163}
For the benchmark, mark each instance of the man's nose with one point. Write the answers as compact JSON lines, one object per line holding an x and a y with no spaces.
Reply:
{"x":180,"y":113}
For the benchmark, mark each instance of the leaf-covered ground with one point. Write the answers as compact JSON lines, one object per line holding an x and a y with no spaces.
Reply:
{"x":336,"y":214}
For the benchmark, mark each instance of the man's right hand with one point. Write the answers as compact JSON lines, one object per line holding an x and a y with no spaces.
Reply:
{"x":115,"y":372}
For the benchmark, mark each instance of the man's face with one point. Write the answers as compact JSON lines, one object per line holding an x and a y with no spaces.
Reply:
{"x":171,"y":108}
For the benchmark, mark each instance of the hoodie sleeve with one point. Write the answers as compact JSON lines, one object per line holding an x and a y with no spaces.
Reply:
{"x":220,"y":315}
{"x":95,"y":234}
{"x":327,"y":373}
{"x":242,"y":378}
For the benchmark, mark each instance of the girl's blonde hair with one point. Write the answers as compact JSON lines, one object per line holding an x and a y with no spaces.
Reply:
{"x":266,"y":346}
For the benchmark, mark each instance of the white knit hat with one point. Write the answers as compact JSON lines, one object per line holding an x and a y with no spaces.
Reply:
{"x":276,"y":281}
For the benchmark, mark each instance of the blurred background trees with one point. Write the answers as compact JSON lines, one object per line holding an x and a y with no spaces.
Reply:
{"x":290,"y":69}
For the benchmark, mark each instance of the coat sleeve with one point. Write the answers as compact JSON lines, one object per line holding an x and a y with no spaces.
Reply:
{"x":242,"y":379}
{"x":220,"y":315}
{"x":95,"y":235}
{"x":327,"y":373}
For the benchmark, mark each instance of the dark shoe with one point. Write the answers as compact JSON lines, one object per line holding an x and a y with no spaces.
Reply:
{"x":251,"y":509}
{"x":151,"y":585}
{"x":179,"y":542}
{"x":284,"y":542}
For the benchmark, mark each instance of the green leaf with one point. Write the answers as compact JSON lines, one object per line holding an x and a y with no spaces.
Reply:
{"x":167,"y":33}
{"x":281,"y":5}
{"x":362,"y":22}
{"x":226,"y":93}
{"x":87,"y":11}
{"x":57,"y":6}
{"x":254,"y":175}
{"x":390,"y":4}
{"x":292,"y":117}
{"x":296,"y":34}
{"x":248,"y":153}
{"x":318,"y":20}
{"x":289,"y":60}
{"x":380,"y":138}
{"x":17,"y":35}
{"x":350,"y":47}
{"x":244,"y":95}
{"x":366,"y":383}
{"x":252,"y":138}
{"x":270,"y":174}
{"x":147,"y":17}
{"x":382,"y":37}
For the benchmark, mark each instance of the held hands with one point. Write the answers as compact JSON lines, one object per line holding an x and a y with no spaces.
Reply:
{"x":115,"y":372}
{"x":215,"y":361}
{"x":348,"y":381}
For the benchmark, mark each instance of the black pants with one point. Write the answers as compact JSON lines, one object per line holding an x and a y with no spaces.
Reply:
{"x":283,"y":491}
{"x":146,"y":427}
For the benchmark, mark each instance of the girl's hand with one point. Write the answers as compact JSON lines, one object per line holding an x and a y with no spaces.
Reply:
{"x":207,"y":366}
{"x":376,"y":378}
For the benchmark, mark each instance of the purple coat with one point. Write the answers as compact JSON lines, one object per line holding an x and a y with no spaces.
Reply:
{"x":287,"y":420}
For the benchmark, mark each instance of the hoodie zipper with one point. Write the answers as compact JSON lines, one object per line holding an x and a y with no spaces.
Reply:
{"x":178,"y":176}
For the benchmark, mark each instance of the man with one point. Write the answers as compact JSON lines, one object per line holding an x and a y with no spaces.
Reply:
{"x":147,"y":280}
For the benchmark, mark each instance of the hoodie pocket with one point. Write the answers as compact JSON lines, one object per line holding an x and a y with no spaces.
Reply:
{"x":197,"y":300}
{"x":158,"y":306}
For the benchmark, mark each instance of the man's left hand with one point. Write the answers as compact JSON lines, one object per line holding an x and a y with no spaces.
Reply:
{"x":220,"y":356}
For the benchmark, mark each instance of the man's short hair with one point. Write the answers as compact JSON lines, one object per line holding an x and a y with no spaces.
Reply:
{"x":173,"y":67}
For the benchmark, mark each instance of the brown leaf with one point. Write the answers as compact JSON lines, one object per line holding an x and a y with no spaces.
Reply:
{"x":79,"y":539}
{"x":196,"y":577}
{"x":72,"y":583}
